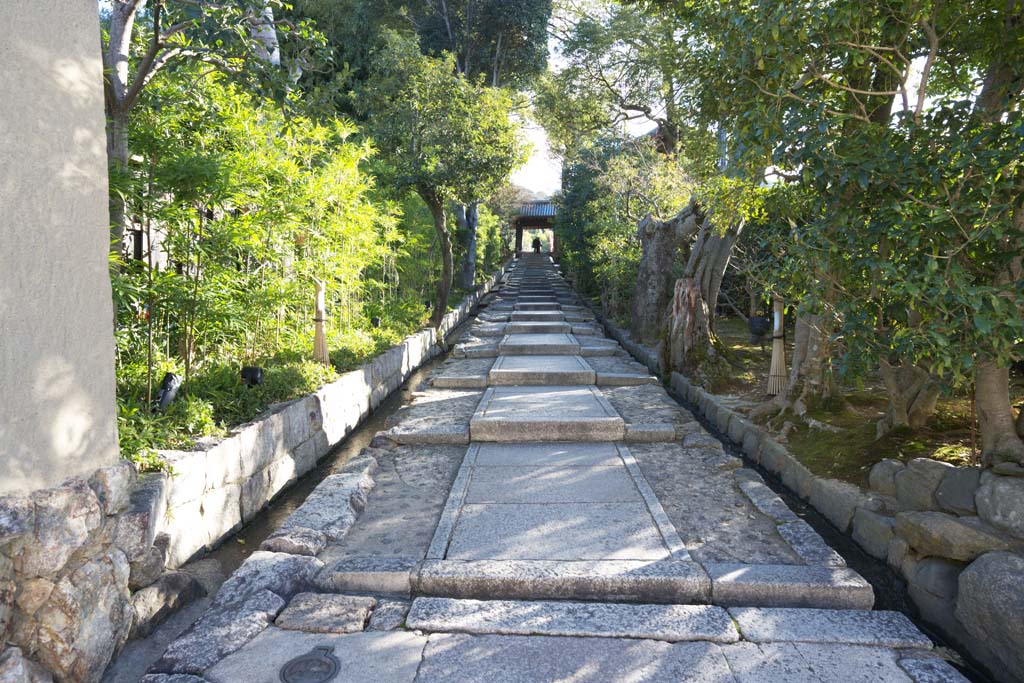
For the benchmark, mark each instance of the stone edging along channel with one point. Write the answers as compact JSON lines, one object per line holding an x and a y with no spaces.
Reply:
{"x":954,"y":534}
{"x":84,"y":565}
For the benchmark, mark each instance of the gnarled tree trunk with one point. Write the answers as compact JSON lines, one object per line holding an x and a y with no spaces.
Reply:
{"x":690,"y":346}
{"x":1000,"y":439}
{"x":444,"y":283}
{"x":660,"y":242}
{"x":467,"y":218}
{"x":913,"y":395}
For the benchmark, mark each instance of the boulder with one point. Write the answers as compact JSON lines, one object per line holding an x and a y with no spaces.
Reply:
{"x":873,"y":532}
{"x":836,"y":500}
{"x":64,"y":518}
{"x":280,"y":573}
{"x":917,"y":483}
{"x":85,"y":619}
{"x":990,"y":605}
{"x":17,"y":517}
{"x":957,"y":491}
{"x":165,"y":596}
{"x":15,"y":668}
{"x":147,"y":568}
{"x":882,"y":477}
{"x":296,"y":540}
{"x":7,"y":591}
{"x":940,"y":535}
{"x":113,"y":486}
{"x":1001,"y":503}
{"x":221,"y":631}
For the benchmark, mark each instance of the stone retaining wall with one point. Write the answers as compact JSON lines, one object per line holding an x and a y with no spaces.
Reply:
{"x":83,"y":565}
{"x":955,"y":534}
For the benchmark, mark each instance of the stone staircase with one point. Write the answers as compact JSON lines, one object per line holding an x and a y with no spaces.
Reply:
{"x":592,"y":531}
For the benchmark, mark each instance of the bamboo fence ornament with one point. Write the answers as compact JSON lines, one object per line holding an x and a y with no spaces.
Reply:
{"x":777,"y":374}
{"x":320,"y":353}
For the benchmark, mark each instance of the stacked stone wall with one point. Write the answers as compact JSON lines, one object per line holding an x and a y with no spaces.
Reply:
{"x":90,"y":563}
{"x":954,"y":534}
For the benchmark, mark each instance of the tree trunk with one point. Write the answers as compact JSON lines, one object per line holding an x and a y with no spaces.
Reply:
{"x":660,"y":242}
{"x":913,"y":395}
{"x":468,"y":219}
{"x":811,"y":382}
{"x":690,"y":347}
{"x":117,"y":167}
{"x":444,"y":284}
{"x":999,"y":438}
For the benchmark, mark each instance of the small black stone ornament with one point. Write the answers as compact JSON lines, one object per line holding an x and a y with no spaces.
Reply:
{"x":316,"y":666}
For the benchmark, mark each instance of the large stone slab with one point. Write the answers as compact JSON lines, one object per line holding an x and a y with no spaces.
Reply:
{"x":540,"y":370}
{"x":552,"y":485}
{"x":852,"y":627}
{"x":670,"y":581}
{"x":465,"y":373}
{"x":538,"y":344}
{"x":561,"y":454}
{"x":521,"y":659}
{"x":369,"y":575}
{"x":545,"y":414}
{"x":559,"y":327}
{"x":788,"y":586}
{"x":326,"y":613}
{"x":577,"y":531}
{"x":377,"y":657}
{"x":537,"y":316}
{"x":811,"y":663}
{"x":437,"y":416}
{"x":672,"y":623}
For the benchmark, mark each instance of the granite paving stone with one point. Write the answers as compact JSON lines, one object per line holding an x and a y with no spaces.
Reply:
{"x":390,"y":656}
{"x":598,"y":531}
{"x":326,"y":613}
{"x":851,"y":627}
{"x":670,"y":623}
{"x":670,"y":581}
{"x":540,"y":370}
{"x":553,"y":485}
{"x":520,"y":659}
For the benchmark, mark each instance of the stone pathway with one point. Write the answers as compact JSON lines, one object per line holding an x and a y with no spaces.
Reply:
{"x":543,"y":511}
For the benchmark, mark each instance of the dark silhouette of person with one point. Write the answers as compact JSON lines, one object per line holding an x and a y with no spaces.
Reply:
{"x":536,"y":245}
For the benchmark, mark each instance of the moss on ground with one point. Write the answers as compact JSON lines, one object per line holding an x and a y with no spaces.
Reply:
{"x":849,"y":453}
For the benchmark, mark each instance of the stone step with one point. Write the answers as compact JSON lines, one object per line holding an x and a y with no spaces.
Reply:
{"x":849,"y":627}
{"x":539,"y":328}
{"x":671,"y":623}
{"x":559,"y":413}
{"x":538,"y":306}
{"x":540,"y":370}
{"x":771,"y":585}
{"x":539,"y":345}
{"x":538,"y":316}
{"x":663,"y":581}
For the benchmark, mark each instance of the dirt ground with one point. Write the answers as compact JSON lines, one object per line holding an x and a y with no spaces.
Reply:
{"x":849,"y":452}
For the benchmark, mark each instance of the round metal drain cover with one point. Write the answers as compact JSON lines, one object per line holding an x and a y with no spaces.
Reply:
{"x":316,"y":666}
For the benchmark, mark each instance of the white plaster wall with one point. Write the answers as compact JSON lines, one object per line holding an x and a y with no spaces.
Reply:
{"x":57,"y":411}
